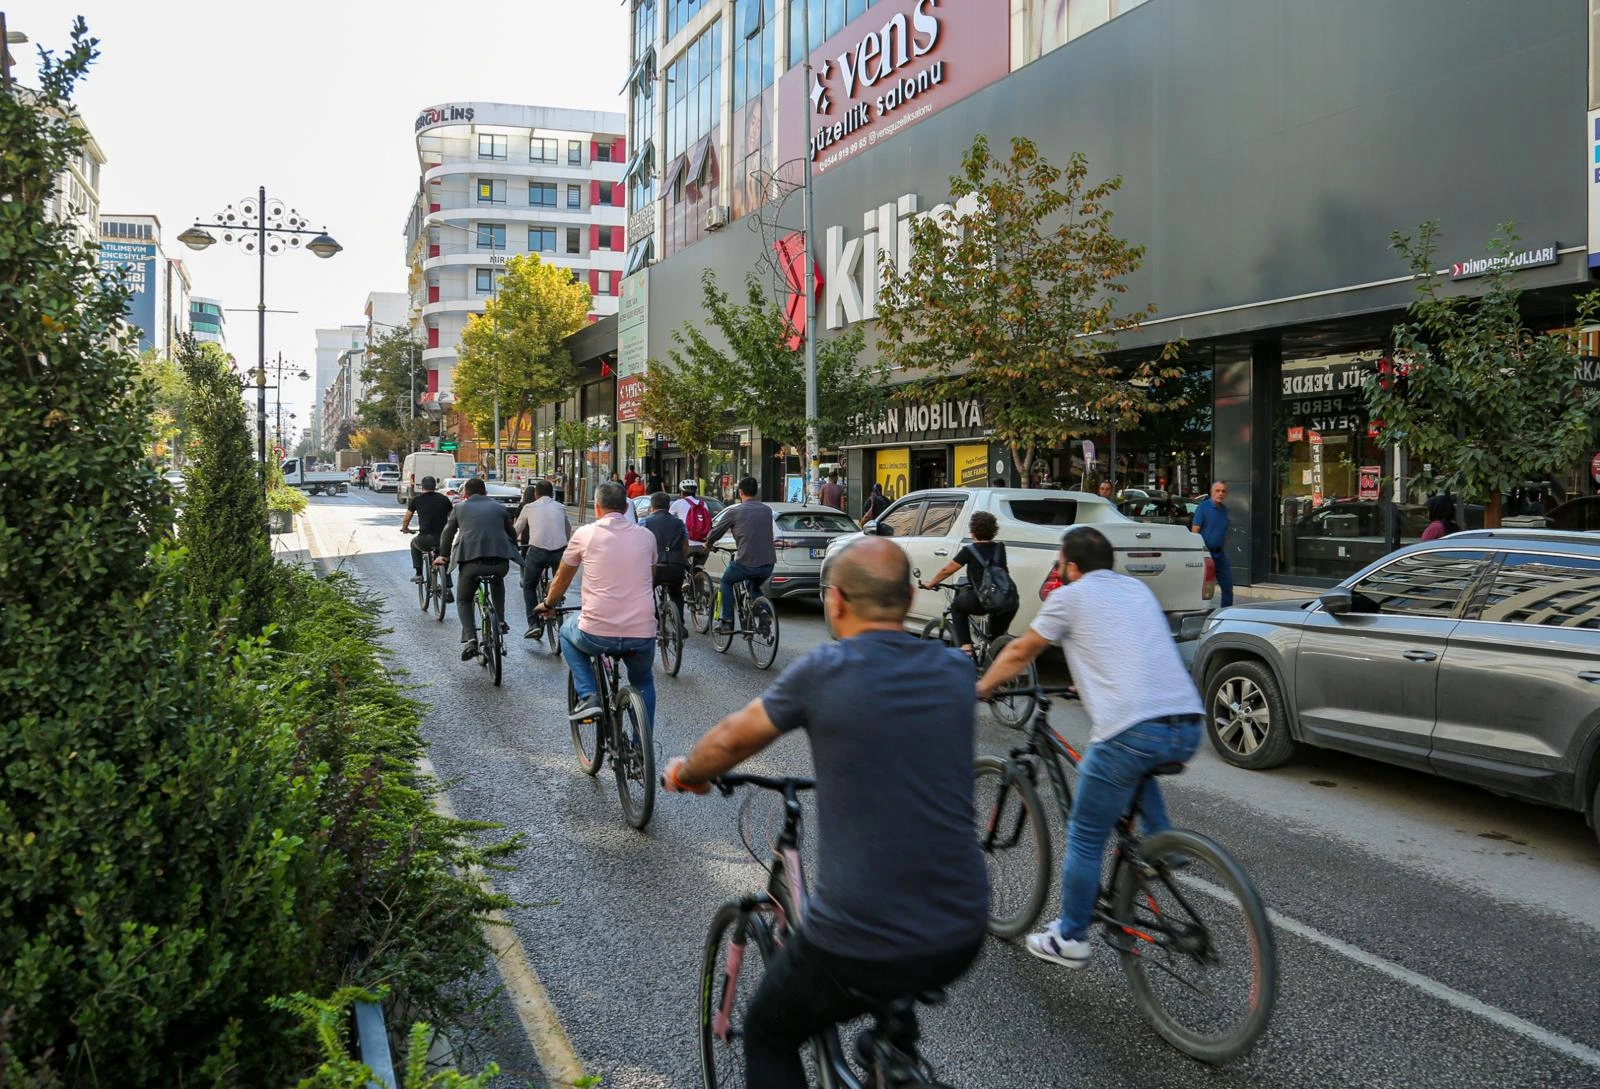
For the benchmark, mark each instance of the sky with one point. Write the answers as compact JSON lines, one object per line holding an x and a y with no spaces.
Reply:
{"x":197,"y":104}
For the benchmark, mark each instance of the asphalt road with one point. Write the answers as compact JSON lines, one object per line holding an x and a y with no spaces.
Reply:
{"x":1429,"y":934}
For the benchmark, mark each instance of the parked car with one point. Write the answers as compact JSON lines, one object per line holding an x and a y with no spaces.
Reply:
{"x":384,"y":476}
{"x":1475,"y":657}
{"x":1171,"y":510}
{"x":932,"y":525}
{"x":174,"y":478}
{"x":1342,"y":533}
{"x":801,"y":535}
{"x":1580,"y":514}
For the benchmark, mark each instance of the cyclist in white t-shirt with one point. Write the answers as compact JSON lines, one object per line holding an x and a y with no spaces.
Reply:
{"x":1142,"y":706}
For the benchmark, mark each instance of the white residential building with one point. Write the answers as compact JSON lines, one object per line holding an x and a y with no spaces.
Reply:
{"x":329,"y":404}
{"x":497,"y":180}
{"x":75,"y":200}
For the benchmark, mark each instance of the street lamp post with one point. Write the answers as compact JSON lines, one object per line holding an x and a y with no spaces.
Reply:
{"x":302,"y":376}
{"x":808,"y":275}
{"x":275,"y":229}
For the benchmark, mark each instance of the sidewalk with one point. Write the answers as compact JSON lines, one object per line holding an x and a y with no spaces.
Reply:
{"x":295,"y":546}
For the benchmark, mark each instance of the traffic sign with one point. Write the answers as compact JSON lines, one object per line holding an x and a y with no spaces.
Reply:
{"x":449,"y":446}
{"x":279,"y":451}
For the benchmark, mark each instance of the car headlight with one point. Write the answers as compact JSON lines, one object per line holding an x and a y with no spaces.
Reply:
{"x":1211,"y":621}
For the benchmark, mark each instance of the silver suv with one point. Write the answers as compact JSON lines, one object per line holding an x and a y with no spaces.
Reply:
{"x":1476,"y":657}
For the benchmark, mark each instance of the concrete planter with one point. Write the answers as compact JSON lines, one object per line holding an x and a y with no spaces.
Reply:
{"x":280,"y":521}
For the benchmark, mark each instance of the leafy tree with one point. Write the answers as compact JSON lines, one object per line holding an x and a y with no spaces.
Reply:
{"x":578,"y":437}
{"x":1011,"y":297}
{"x":377,"y":442}
{"x":684,"y":400}
{"x":224,"y":511}
{"x":169,"y":408}
{"x":1483,"y":399}
{"x":393,"y":371}
{"x":762,"y":378}
{"x":518,"y":346}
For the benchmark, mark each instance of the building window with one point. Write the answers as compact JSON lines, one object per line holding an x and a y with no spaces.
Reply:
{"x":606,"y":189}
{"x":693,"y":83}
{"x":753,"y":69}
{"x":485,"y":280}
{"x":575,"y":197}
{"x":491,"y":236}
{"x":491,"y":146}
{"x":574,"y":240}
{"x":491,"y":192}
{"x":679,"y":12}
{"x":541,"y":239}
{"x":544,"y":150}
{"x":574,"y":152}
{"x":603,"y":284}
{"x":828,"y":17}
{"x":602,"y":153}
{"x":542,"y":194}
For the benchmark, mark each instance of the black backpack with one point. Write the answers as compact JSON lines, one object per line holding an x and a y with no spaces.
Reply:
{"x":996,"y":592}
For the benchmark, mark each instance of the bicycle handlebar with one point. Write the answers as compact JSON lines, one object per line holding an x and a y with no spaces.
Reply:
{"x":784,"y":784}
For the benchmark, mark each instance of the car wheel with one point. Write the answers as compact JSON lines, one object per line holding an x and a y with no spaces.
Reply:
{"x":1246,"y":718}
{"x":1594,"y":811}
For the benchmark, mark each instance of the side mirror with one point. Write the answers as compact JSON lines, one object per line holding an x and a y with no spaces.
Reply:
{"x":878,"y":529}
{"x":1337,"y":602}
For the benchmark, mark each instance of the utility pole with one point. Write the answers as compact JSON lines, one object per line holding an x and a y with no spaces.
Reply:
{"x":809,"y":277}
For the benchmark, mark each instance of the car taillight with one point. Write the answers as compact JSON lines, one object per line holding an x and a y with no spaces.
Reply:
{"x":1210,"y":586}
{"x":781,"y":543}
{"x":1051,"y":582}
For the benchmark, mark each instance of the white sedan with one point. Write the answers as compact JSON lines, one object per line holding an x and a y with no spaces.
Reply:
{"x":932,"y":526}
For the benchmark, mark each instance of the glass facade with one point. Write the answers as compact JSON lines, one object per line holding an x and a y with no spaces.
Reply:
{"x":827,"y":18}
{"x":1054,"y":23}
{"x":694,"y":110}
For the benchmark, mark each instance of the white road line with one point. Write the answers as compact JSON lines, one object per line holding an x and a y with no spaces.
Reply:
{"x":1427,"y":985}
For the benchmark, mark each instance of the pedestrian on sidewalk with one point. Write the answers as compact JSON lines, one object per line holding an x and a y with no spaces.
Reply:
{"x":1211,"y":522}
{"x":831,"y":494}
{"x":876,"y":504}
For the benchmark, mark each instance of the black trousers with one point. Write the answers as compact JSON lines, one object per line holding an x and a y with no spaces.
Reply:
{"x":471,"y":573}
{"x":807,"y":989}
{"x":535,"y":563}
{"x":420,"y":544}
{"x":966,"y":606}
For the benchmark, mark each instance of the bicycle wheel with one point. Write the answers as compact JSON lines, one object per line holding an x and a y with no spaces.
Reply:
{"x":722,"y":1052}
{"x":669,"y":637}
{"x":724,"y":641}
{"x":634,"y":762}
{"x":699,"y":600}
{"x":1196,"y":945}
{"x":439,"y":601}
{"x":1016,"y":844}
{"x":588,"y":738}
{"x":1014,"y":702}
{"x":424,"y":586}
{"x":763,"y":634}
{"x":939,"y":628}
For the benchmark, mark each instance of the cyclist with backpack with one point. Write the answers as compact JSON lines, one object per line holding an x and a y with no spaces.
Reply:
{"x":672,"y":550}
{"x":989,"y":590}
{"x":695,"y":515}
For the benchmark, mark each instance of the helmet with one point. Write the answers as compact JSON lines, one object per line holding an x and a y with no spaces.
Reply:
{"x":688,"y":487}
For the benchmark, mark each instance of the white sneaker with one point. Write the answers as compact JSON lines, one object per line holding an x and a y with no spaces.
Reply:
{"x":1048,"y":944}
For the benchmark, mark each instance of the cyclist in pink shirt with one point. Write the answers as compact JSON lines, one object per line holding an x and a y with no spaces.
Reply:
{"x":618,"y":613}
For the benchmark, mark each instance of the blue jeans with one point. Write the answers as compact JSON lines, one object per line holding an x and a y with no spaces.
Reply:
{"x":738,"y":572}
{"x":1219,"y":557}
{"x":580,"y":648}
{"x":1110,"y":773}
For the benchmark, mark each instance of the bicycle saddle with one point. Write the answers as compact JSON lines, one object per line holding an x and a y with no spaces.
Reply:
{"x":1167,"y":769}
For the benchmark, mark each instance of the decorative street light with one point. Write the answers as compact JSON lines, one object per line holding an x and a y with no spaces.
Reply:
{"x":262,"y":227}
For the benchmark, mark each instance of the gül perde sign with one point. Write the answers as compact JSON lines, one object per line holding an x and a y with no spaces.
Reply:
{"x":438,"y":115}
{"x":1529,"y":258}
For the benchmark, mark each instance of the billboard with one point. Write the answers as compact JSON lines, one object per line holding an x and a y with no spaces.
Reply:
{"x":137,"y":260}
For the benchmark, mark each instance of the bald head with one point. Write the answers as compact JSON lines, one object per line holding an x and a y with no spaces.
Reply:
{"x":873,"y":576}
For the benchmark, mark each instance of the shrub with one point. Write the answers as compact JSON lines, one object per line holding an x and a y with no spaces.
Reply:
{"x":224,"y":513}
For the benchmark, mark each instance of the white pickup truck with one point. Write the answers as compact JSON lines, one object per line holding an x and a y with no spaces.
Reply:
{"x":330,"y":481}
{"x":932,"y":526}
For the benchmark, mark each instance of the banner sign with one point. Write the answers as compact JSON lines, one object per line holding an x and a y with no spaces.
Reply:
{"x":137,"y":261}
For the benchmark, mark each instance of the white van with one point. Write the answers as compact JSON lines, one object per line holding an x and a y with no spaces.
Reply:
{"x":423,"y":463}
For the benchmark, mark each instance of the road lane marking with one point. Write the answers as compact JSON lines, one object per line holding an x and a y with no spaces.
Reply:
{"x":540,"y":1022}
{"x":1426,"y":984}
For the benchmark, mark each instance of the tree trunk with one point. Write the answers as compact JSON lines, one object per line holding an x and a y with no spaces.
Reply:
{"x":1491,"y":511}
{"x":1022,"y":463}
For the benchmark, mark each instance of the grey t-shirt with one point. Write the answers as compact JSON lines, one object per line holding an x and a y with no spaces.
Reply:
{"x":891,"y":721}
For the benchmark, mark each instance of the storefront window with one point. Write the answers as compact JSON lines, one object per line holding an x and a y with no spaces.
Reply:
{"x":1329,"y":471}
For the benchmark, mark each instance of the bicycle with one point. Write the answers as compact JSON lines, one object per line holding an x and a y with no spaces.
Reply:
{"x":699,"y":596}
{"x":622,"y":723}
{"x":550,"y":627}
{"x":491,"y":640}
{"x":755,"y":619}
{"x":431,"y":590}
{"x":669,"y":632}
{"x":1012,"y":703}
{"x":884,"y":1054}
{"x":1142,"y":909}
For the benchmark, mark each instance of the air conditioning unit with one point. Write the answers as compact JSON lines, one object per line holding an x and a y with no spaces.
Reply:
{"x":716,"y":217}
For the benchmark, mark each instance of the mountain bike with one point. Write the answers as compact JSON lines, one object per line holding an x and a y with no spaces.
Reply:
{"x":699,"y":596}
{"x":882,"y":1055}
{"x":1189,"y":968}
{"x":1013,"y":701}
{"x":549,"y":627}
{"x":621,"y":724}
{"x":432,"y":589}
{"x":754,"y":619}
{"x":669,"y":632}
{"x":491,"y":640}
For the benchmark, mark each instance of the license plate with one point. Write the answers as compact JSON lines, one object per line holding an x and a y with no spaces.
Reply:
{"x":818,"y":553}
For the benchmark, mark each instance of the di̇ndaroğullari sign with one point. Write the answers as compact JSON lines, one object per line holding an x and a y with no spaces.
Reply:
{"x":1536,"y":257}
